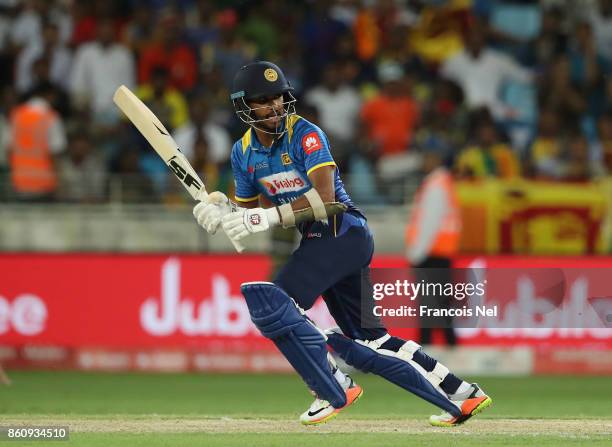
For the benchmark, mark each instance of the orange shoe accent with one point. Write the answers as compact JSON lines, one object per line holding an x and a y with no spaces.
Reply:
{"x":470,"y":404}
{"x":352,"y":394}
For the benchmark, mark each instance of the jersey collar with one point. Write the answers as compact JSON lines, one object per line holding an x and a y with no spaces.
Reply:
{"x":257,"y":146}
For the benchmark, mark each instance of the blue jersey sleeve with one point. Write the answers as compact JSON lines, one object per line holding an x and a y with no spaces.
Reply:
{"x":312,"y":148}
{"x":245,"y":190}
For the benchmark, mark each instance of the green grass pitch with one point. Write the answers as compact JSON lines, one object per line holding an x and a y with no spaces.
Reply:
{"x":130,"y":409}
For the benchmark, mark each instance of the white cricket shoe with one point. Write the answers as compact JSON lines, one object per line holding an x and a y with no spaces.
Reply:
{"x":471,"y":402}
{"x":322,"y":411}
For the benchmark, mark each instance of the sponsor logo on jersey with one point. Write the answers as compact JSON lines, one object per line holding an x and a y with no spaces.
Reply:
{"x":311,"y":142}
{"x":283,"y":182}
{"x":261,"y":165}
{"x":251,"y":169}
{"x":286,"y":159}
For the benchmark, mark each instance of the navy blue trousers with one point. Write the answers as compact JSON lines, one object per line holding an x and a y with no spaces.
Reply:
{"x":333,"y":261}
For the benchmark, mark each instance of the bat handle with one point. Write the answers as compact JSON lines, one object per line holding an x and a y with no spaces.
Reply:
{"x":237,"y":245}
{"x":202,"y":194}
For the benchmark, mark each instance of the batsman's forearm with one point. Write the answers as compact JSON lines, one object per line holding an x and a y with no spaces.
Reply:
{"x":307,"y":214}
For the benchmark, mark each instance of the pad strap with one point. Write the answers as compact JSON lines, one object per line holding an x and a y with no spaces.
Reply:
{"x":438,"y":374}
{"x":406,"y":352}
{"x":317,"y":205}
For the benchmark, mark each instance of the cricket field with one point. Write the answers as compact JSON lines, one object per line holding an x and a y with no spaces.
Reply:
{"x":140,"y":409}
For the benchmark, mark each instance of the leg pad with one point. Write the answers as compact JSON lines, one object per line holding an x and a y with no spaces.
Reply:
{"x":278,"y":318}
{"x":396,"y":370}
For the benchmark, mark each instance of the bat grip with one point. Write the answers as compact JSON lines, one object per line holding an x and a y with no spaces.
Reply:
{"x":237,"y":245}
{"x":202,"y":195}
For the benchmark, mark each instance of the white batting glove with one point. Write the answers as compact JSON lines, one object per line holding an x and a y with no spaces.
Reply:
{"x":242,"y":222}
{"x":210,"y":211}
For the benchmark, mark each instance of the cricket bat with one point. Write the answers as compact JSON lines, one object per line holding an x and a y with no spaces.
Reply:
{"x":159,"y":138}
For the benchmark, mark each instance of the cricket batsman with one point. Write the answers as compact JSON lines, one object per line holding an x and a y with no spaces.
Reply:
{"x":285,"y":175}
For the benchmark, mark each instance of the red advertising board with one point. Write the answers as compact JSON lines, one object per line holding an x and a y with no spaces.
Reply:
{"x":125,"y":301}
{"x":182,"y":312}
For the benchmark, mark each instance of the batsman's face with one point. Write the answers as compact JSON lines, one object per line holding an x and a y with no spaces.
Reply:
{"x":269,"y":110}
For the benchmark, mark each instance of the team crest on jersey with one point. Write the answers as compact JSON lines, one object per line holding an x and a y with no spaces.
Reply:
{"x":286,"y":159}
{"x":270,"y":74}
{"x":311,"y":142}
{"x":283,"y":182}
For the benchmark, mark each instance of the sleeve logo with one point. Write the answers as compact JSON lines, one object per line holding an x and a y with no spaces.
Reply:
{"x":311,"y":142}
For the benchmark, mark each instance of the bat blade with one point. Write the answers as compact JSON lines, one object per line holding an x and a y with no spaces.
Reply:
{"x":159,"y":138}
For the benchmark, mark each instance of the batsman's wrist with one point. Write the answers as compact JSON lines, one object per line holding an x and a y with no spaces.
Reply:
{"x":273,"y":216}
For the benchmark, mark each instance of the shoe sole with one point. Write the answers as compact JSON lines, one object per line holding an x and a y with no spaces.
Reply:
{"x":330,"y":416}
{"x":462,"y":419}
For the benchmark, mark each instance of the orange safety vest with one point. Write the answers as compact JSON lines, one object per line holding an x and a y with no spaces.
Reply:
{"x":446,"y":242}
{"x":32,"y":170}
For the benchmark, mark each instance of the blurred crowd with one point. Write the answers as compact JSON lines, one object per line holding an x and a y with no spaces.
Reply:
{"x":499,"y":88}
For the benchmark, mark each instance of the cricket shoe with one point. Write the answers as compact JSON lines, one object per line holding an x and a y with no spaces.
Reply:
{"x":322,"y":411}
{"x":471,"y":402}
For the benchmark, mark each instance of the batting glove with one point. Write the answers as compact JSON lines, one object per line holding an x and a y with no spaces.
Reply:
{"x":242,"y":222}
{"x":211,"y":210}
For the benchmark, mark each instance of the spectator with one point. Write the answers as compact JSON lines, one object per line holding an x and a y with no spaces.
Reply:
{"x":390,"y":118}
{"x":7,"y":54}
{"x":230,"y":53}
{"x":438,"y":33}
{"x":136,"y":186}
{"x":137,"y":32}
{"x":445,"y":126}
{"x":577,"y":166}
{"x":99,"y":68}
{"x":481,"y":72}
{"x":545,"y":161}
{"x":169,"y":51}
{"x":557,"y":91}
{"x":36,"y":138}
{"x":338,"y":107}
{"x":84,"y":23}
{"x":600,"y":19}
{"x":552,"y":40}
{"x":26,"y":28}
{"x":59,"y":57}
{"x":4,"y":147}
{"x":81,"y":171}
{"x":398,"y":48}
{"x":202,"y":31}
{"x":259,"y":28}
{"x":602,"y":150}
{"x":488,"y":156}
{"x":41,"y":73}
{"x":205,"y":144}
{"x":374,"y":24}
{"x":587,"y":68}
{"x":8,"y":99}
{"x":166,"y":102}
{"x":318,"y":33}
